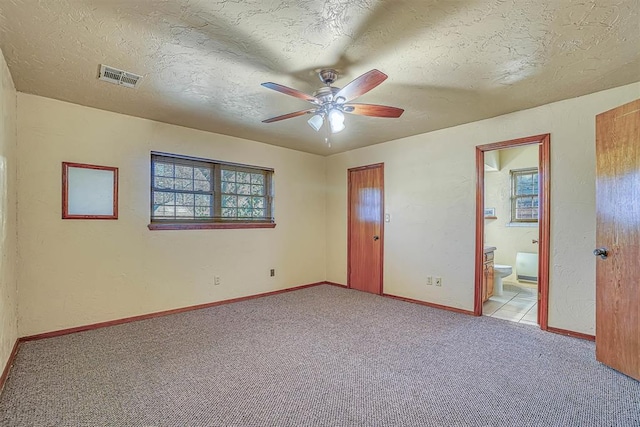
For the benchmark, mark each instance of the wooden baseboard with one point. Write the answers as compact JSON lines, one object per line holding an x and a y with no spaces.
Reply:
{"x":571,"y":333}
{"x":458,"y":310}
{"x":159,"y":314}
{"x":335,"y":284}
{"x":430,"y":304}
{"x":7,"y":367}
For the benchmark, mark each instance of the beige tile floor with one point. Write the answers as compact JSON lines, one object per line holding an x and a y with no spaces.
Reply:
{"x":515,"y":304}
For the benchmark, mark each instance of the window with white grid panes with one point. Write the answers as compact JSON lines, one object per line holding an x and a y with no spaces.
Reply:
{"x":244,"y":194}
{"x":524,"y":195}
{"x":181,"y":190}
{"x":191,"y":190}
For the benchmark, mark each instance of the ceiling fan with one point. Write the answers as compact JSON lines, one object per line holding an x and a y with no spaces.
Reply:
{"x":330,"y":103}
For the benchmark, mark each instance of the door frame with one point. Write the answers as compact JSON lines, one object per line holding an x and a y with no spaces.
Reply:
{"x":544,"y":219}
{"x":359,"y":168}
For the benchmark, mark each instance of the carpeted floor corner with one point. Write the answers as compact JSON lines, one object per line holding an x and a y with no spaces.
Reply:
{"x":320,"y":356}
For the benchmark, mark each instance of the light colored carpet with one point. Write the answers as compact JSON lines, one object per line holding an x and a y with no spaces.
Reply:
{"x":321,"y":356}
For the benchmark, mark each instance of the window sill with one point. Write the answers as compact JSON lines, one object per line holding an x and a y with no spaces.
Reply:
{"x":209,"y":226}
{"x":522,"y":224}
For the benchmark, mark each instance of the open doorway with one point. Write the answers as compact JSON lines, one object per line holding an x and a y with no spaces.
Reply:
{"x":512,"y":230}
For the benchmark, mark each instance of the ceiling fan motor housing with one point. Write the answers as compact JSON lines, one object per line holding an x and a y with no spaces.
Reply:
{"x":326,"y":93}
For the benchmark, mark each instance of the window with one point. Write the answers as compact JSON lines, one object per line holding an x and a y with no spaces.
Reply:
{"x":524,"y":195}
{"x":188,"y":192}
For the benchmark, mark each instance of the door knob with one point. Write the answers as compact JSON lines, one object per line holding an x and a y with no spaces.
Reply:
{"x":601,"y":252}
{"x":376,"y":237}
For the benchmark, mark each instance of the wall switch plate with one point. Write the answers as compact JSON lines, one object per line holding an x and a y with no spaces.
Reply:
{"x":438,"y":281}
{"x":216,"y":280}
{"x":273,"y":272}
{"x":429,"y":280}
{"x":387,"y":217}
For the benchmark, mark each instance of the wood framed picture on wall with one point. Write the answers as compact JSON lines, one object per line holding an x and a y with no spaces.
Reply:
{"x":89,"y":191}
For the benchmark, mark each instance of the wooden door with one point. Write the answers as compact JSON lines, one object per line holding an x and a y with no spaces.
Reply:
{"x":618,"y":238}
{"x":365,"y":228}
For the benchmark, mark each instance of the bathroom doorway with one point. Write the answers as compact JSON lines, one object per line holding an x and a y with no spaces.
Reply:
{"x":512,"y":230}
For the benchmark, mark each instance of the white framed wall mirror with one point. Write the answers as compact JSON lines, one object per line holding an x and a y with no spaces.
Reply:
{"x":89,"y":191}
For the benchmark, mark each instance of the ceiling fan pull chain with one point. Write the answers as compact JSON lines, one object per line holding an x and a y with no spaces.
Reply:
{"x":327,"y":135}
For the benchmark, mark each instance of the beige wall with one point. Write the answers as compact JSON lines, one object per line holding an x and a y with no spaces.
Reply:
{"x":497,"y":194}
{"x":8,"y":229}
{"x":430,"y":194}
{"x":72,"y":273}
{"x":77,"y":272}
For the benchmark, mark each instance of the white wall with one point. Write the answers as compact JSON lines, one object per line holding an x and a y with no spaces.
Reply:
{"x":497,"y":194}
{"x":8,"y":229}
{"x":77,"y":272}
{"x":430,"y":194}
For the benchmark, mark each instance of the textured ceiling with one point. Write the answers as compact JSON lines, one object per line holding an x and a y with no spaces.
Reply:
{"x":449,"y":62}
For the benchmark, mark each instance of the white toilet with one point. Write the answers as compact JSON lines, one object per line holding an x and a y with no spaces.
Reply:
{"x":500,"y":271}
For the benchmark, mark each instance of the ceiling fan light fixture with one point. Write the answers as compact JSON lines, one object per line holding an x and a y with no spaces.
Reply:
{"x":336,"y":121}
{"x":316,"y":122}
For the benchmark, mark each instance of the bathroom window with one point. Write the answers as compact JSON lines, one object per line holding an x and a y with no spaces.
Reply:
{"x":524,"y":195}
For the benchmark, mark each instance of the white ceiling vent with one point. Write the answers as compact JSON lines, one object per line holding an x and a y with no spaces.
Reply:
{"x":118,"y":77}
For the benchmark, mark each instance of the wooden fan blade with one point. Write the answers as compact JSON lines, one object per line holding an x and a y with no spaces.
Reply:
{"x":292,"y":92}
{"x":373,"y":110}
{"x":289,"y":116}
{"x":361,"y":85}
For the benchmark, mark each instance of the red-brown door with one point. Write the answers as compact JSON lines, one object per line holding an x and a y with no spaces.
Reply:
{"x":365,"y":228}
{"x":618,"y":238}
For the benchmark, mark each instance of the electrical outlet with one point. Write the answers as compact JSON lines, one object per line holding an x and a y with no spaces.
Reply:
{"x":438,"y":281}
{"x":273,"y":272}
{"x":429,"y":280}
{"x":216,"y":280}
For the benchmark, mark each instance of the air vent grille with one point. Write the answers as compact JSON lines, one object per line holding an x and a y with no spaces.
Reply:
{"x":118,"y":77}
